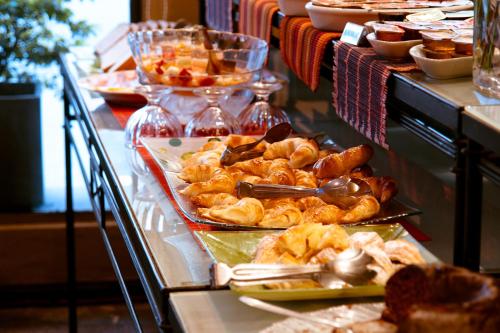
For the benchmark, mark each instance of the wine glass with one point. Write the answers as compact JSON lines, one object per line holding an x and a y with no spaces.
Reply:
{"x":151,"y":120}
{"x":261,"y":115}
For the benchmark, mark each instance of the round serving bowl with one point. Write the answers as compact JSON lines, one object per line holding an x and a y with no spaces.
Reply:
{"x":392,"y":50}
{"x":441,"y":68}
{"x":179,"y":58}
{"x":335,"y":19}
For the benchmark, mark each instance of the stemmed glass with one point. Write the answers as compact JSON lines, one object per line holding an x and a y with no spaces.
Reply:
{"x":151,"y":120}
{"x":213,"y":120}
{"x":261,"y":115}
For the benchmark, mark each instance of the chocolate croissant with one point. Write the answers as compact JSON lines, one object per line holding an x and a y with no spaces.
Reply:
{"x":336,"y":165}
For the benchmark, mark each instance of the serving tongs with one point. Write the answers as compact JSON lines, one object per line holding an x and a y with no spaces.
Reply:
{"x":343,"y":191}
{"x":244,"y":152}
{"x":350,"y":266}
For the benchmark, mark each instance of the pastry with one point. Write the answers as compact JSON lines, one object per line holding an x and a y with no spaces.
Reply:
{"x":383,"y":188}
{"x":282,"y":216}
{"x":214,"y":199}
{"x":299,"y":151}
{"x":247,"y":211}
{"x":221,"y":181}
{"x":402,"y":251}
{"x":367,"y":207}
{"x":305,"y":178}
{"x":327,"y":214}
{"x":197,"y":173}
{"x":310,"y":202}
{"x":336,"y":165}
{"x":440,"y":299}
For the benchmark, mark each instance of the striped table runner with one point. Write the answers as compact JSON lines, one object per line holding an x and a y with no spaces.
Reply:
{"x":256,"y":16}
{"x":302,"y":48}
{"x":218,"y":14}
{"x":360,"y":89}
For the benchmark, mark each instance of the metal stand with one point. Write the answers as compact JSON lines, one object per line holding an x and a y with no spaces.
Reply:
{"x":70,"y":225}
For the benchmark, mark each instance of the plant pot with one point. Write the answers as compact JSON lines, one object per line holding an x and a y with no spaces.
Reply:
{"x":20,"y":133}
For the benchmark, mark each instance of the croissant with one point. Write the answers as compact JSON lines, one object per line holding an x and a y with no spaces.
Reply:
{"x":241,"y":176}
{"x":282,"y":216}
{"x":213,"y":145}
{"x":209,"y":157}
{"x":214,"y":199}
{"x":257,"y":167}
{"x":326,"y":152}
{"x":383,"y":188}
{"x":362,"y":171}
{"x":280,"y":173}
{"x":247,"y":211}
{"x":310,"y":202}
{"x":276,"y":202}
{"x":327,"y":214}
{"x":367,"y":207}
{"x":336,"y":165}
{"x":235,"y":140}
{"x":301,"y":152}
{"x":221,"y":181}
{"x":304,"y":178}
{"x":197,"y":173}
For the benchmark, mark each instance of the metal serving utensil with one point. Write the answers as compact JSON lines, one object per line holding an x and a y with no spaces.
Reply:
{"x":343,"y":191}
{"x":242,"y":152}
{"x":350,"y":266}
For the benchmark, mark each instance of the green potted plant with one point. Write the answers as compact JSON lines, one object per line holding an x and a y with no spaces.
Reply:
{"x":32,"y":34}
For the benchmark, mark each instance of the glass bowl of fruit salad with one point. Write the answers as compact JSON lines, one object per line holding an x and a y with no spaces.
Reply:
{"x":211,"y":64}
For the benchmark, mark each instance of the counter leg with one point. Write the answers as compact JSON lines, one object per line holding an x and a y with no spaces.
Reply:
{"x":70,"y":225}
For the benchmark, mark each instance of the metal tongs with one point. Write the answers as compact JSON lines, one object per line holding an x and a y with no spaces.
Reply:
{"x":350,"y":266}
{"x":244,"y":152}
{"x":343,"y":191}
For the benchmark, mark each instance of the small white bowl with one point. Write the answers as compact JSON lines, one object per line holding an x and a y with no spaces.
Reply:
{"x":335,"y":19}
{"x":441,"y":68}
{"x":293,"y":7}
{"x":392,"y":50}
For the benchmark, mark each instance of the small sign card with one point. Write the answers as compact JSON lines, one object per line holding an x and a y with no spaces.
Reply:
{"x":353,"y":34}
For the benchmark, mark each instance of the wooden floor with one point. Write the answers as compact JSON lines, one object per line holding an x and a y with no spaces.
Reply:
{"x":92,"y":319}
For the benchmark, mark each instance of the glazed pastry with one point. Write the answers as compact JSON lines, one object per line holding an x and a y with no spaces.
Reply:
{"x":301,"y":152}
{"x":327,"y":214}
{"x":221,"y":181}
{"x":256,"y":166}
{"x":336,"y":165}
{"x":383,"y":188}
{"x":367,"y":207}
{"x":213,"y":145}
{"x":283,"y":216}
{"x":214,"y":199}
{"x":276,"y":202}
{"x":209,"y":157}
{"x":247,"y":211}
{"x":309,"y":202}
{"x":304,"y":178}
{"x":197,"y":173}
{"x":402,"y":251}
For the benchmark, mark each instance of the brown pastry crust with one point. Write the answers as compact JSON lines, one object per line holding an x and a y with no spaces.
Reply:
{"x":442,"y":298}
{"x":336,"y":165}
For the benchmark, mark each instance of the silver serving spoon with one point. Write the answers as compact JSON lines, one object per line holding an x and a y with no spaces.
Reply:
{"x":343,"y":191}
{"x":350,"y":266}
{"x":274,"y":134}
